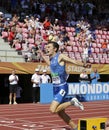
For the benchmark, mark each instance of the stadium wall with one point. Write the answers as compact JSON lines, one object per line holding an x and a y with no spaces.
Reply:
{"x":28,"y":68}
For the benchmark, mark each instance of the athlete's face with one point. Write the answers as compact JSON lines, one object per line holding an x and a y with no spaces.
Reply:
{"x":50,"y":50}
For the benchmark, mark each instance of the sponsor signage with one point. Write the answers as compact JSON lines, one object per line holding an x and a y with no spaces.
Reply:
{"x":89,"y":92}
{"x":84,"y":92}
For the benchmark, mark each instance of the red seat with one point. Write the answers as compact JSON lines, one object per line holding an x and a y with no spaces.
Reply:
{"x":94,"y":45}
{"x":97,"y":50}
{"x":78,"y":58}
{"x":104,"y":36}
{"x":69,"y":48}
{"x":99,"y":36}
{"x":31,"y":46}
{"x":101,"y":50}
{"x":71,"y":38}
{"x":20,"y":24}
{"x":18,"y":46}
{"x":91,"y":60}
{"x":99,"y":55}
{"x":72,"y":29}
{"x":101,"y":40}
{"x":107,"y":36}
{"x":61,"y":27}
{"x":97,"y":40}
{"x":100,"y":31}
{"x":70,"y":34}
{"x":102,"y":60}
{"x":25,"y":35}
{"x":31,"y":40}
{"x":105,"y":56}
{"x":80,"y":49}
{"x":107,"y":61}
{"x":43,"y":31}
{"x":75,"y":48}
{"x":77,"y":54}
{"x":104,"y":32}
{"x":99,"y":45}
{"x":94,"y":55}
{"x":97,"y":60}
{"x":96,"y":31}
{"x":92,"y":50}
{"x":25,"y":30}
{"x":68,"y":29}
{"x":72,"y":55}
{"x":74,"y":33}
{"x":4,"y":34}
{"x":76,"y":38}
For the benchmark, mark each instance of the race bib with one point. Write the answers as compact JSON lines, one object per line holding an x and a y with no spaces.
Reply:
{"x":56,"y":79}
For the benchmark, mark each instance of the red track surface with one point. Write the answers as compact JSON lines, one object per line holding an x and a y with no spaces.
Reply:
{"x":37,"y":116}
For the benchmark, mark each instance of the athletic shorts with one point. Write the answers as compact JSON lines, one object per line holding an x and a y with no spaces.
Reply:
{"x":13,"y":88}
{"x":60,"y":92}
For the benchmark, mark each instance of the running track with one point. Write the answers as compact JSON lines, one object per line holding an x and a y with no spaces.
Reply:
{"x":37,"y":116}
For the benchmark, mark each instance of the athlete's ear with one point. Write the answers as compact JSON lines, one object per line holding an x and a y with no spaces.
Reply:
{"x":55,"y":49}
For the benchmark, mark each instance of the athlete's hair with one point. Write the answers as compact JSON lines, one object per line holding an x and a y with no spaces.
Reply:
{"x":55,"y":45}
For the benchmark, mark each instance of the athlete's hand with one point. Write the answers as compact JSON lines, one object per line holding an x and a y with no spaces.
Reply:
{"x":87,"y":65}
{"x":40,"y":52}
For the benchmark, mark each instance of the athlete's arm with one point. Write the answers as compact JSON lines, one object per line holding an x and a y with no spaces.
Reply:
{"x":65,"y":58}
{"x":45,"y":57}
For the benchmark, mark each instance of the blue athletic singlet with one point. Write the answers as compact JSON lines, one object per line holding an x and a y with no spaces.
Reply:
{"x":59,"y":77}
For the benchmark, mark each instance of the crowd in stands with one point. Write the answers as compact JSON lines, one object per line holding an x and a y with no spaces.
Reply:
{"x":76,"y":26}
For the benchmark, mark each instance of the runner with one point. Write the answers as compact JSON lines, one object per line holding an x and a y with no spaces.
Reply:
{"x":57,"y":62}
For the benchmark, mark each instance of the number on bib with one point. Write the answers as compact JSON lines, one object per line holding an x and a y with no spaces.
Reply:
{"x":62,"y":92}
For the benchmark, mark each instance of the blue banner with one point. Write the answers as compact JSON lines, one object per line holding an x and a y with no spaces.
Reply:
{"x":84,"y":92}
{"x":89,"y":92}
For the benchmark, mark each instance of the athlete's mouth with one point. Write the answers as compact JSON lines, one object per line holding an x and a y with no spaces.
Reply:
{"x":47,"y":52}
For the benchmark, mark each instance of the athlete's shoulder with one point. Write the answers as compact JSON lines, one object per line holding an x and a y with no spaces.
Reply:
{"x":61,"y":55}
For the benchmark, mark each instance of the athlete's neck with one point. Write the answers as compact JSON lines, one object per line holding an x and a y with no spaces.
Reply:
{"x":53,"y":55}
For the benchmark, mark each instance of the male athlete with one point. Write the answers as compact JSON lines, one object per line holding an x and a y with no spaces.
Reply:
{"x":57,"y":62}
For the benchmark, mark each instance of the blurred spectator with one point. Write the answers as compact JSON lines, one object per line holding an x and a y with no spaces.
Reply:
{"x":13,"y":81}
{"x":38,"y":24}
{"x":107,"y":46}
{"x":45,"y":78}
{"x":56,"y":23}
{"x":36,"y":80}
{"x":11,"y":36}
{"x":78,"y":29}
{"x":47,"y":24}
{"x":18,"y":37}
{"x":40,"y":17}
{"x":1,"y":22}
{"x":94,"y":76}
{"x":50,"y":37}
{"x":85,"y":54}
{"x":15,"y":19}
{"x":104,"y":46}
{"x":1,"y":17}
{"x":26,"y":19}
{"x":84,"y":77}
{"x":61,"y":44}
